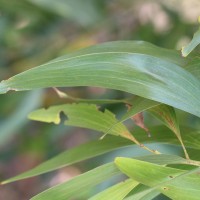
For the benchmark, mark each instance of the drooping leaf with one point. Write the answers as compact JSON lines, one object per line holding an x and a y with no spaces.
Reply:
{"x":161,"y":134}
{"x":117,"y":192}
{"x":138,"y":105}
{"x":75,"y":187}
{"x":89,"y":150}
{"x":135,"y":67}
{"x":174,"y":183}
{"x":135,"y":106}
{"x":191,"y":46}
{"x":167,"y":115}
{"x":86,"y":116}
{"x":81,"y":115}
{"x":74,"y":155}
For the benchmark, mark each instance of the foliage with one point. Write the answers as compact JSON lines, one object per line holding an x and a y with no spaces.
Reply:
{"x":159,"y":81}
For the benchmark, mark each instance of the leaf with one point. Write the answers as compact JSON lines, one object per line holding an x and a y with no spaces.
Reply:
{"x":138,"y":105}
{"x":89,"y":150}
{"x":142,"y":192}
{"x":76,"y":187}
{"x":86,"y":116}
{"x":135,"y":109}
{"x":167,"y":115}
{"x":193,"y":65}
{"x":161,"y":134}
{"x":81,"y":115}
{"x":117,"y":192}
{"x":139,"y":121}
{"x":74,"y":155}
{"x":135,"y":67}
{"x":89,"y":101}
{"x":110,"y":143}
{"x":174,"y":183}
{"x":190,"y":47}
{"x":135,"y":106}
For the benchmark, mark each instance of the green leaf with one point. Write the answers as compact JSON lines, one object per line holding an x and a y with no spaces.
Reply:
{"x":74,"y":155}
{"x":193,"y":65}
{"x":161,"y":134}
{"x":135,"y":67}
{"x":110,"y":143}
{"x":89,"y":101}
{"x":76,"y":187}
{"x":138,"y":105}
{"x":142,"y":192}
{"x":117,"y":192}
{"x":174,"y":183}
{"x":81,"y":115}
{"x":167,"y":115}
{"x":190,"y":47}
{"x":89,"y":150}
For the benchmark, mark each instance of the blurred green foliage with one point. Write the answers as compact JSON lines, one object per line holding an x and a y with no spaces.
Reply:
{"x":35,"y":31}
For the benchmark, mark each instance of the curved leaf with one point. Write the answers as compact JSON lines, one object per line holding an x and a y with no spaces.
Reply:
{"x":76,"y":187}
{"x":135,"y":67}
{"x":117,"y":192}
{"x":174,"y":183}
{"x":74,"y":155}
{"x":142,"y":192}
{"x":190,"y":47}
{"x":86,"y":116}
{"x":81,"y":115}
{"x":167,"y":115}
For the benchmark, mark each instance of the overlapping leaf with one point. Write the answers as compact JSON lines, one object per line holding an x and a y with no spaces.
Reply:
{"x":117,"y":192}
{"x":72,"y":156}
{"x":142,"y":192}
{"x":191,"y":46}
{"x":174,"y":183}
{"x":167,"y":115}
{"x":82,"y":115}
{"x":135,"y":67}
{"x":77,"y":185}
{"x":95,"y":148}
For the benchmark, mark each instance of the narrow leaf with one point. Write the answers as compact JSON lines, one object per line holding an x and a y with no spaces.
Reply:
{"x":82,"y":115}
{"x":135,"y":107}
{"x":142,"y":192}
{"x":75,"y":187}
{"x":190,"y":47}
{"x":167,"y":115}
{"x":135,"y":67}
{"x":117,"y":192}
{"x":86,"y":116}
{"x":174,"y":183}
{"x":89,"y":101}
{"x":74,"y":155}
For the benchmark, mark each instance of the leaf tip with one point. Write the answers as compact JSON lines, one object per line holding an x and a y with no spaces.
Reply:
{"x":183,"y":53}
{"x":3,"y":183}
{"x":117,"y":159}
{"x":3,"y":87}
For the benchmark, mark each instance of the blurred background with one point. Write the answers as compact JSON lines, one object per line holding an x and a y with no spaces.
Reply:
{"x":33,"y":32}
